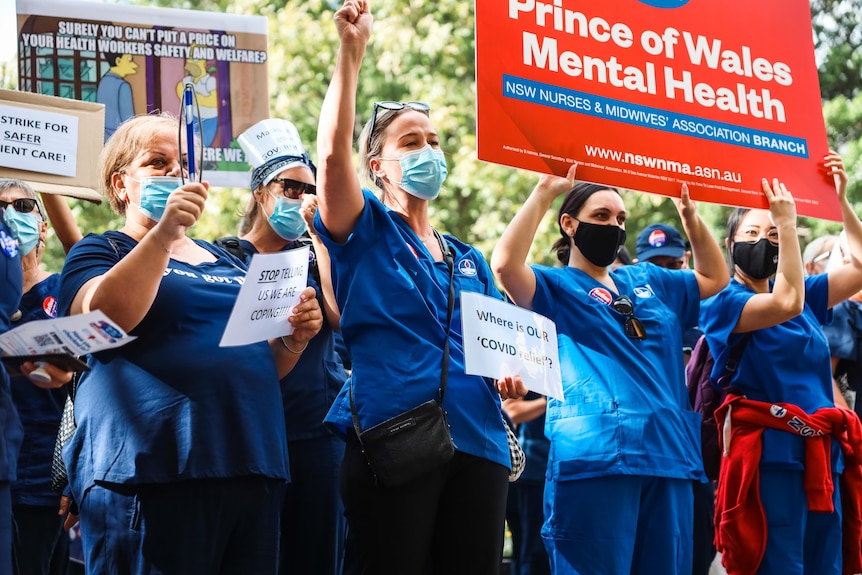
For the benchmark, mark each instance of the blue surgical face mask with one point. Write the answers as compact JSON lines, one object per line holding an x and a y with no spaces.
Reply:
{"x":155,"y":191}
{"x":286,"y":220}
{"x":25,"y":228}
{"x":423,"y":172}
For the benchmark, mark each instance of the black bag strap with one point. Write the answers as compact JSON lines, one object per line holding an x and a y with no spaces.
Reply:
{"x":449,"y":257}
{"x":732,"y":364}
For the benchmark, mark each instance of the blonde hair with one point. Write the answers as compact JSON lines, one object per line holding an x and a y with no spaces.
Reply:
{"x":373,"y":149}
{"x":124,"y":145}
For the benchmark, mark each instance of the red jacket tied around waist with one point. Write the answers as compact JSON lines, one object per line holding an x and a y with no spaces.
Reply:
{"x":739,"y":516}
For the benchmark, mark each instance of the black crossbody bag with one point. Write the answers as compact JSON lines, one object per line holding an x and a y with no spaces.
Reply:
{"x":418,"y":441}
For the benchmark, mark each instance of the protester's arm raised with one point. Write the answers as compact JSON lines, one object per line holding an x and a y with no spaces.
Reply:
{"x":62,"y":220}
{"x":509,"y":260}
{"x":846,"y":280}
{"x":709,"y":265}
{"x":787,"y":298}
{"x":339,"y":191}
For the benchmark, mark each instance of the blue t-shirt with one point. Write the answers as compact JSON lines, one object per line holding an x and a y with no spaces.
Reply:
{"x":626,"y":409}
{"x":173,"y":405}
{"x":393,"y":300}
{"x":11,"y":282}
{"x":787,"y":363}
{"x":311,"y":386}
{"x":843,"y":335}
{"x":40,"y":409}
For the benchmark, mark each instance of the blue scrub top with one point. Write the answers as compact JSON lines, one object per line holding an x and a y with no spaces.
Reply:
{"x":844,"y":335}
{"x":11,"y":284}
{"x":173,"y":405}
{"x":311,"y":386}
{"x":787,"y":363}
{"x":626,"y":409}
{"x":393,"y":301}
{"x":40,"y":409}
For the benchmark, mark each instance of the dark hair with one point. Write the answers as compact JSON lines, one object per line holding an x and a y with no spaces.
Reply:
{"x":733,"y":221}
{"x":624,"y":256}
{"x":111,"y":57}
{"x":572,"y":204}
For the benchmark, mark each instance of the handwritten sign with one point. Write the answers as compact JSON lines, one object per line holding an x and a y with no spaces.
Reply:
{"x":38,"y":141}
{"x":271,"y":290}
{"x":502,"y":339}
{"x":646,"y":97}
{"x":75,"y":335}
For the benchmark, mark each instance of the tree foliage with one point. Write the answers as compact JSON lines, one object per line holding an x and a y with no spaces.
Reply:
{"x":837,"y":40}
{"x":425,"y":51}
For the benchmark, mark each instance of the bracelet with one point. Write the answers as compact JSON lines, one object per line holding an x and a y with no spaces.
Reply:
{"x":284,"y":343}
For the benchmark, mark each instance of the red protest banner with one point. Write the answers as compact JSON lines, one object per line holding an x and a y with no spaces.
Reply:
{"x":647,"y":94}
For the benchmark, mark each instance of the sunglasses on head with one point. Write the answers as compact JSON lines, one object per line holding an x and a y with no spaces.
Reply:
{"x":293,"y":189}
{"x":23,"y":205}
{"x":418,"y":106}
{"x":633,"y":327}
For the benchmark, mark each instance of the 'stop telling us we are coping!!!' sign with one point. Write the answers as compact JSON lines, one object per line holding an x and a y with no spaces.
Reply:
{"x":647,"y":95}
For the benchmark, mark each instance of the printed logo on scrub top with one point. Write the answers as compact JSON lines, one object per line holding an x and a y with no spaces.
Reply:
{"x":49,"y":306}
{"x":8,"y":244}
{"x":602,"y":295}
{"x":643,"y":291}
{"x":466,"y":267}
{"x":657,"y":238}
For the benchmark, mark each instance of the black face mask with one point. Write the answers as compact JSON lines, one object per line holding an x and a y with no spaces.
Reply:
{"x":759,"y":260}
{"x":599,"y":242}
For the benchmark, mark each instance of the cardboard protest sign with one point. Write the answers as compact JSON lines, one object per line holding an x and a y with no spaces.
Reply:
{"x":51,"y":143}
{"x":136,"y":59}
{"x":648,"y":94}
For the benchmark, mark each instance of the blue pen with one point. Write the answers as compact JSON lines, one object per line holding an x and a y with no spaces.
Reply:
{"x":188,"y":93}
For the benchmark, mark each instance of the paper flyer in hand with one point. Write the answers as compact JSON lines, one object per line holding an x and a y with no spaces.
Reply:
{"x":73,"y":335}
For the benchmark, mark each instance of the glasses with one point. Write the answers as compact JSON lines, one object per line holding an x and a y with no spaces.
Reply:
{"x":418,"y":106}
{"x":633,"y":327}
{"x":821,"y":257}
{"x":294,"y":188}
{"x":23,"y":205}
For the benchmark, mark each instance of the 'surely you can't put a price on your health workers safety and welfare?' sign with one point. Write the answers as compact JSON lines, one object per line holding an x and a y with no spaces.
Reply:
{"x":650,"y":94}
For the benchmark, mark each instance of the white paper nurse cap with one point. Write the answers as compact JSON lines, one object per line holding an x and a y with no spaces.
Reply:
{"x":272,"y":146}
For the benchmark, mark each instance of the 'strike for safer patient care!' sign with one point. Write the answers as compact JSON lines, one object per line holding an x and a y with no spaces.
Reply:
{"x":501,"y":339}
{"x":271,"y":289}
{"x":649,"y":94}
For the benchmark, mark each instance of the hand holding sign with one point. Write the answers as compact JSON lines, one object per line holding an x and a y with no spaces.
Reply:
{"x":274,"y":290}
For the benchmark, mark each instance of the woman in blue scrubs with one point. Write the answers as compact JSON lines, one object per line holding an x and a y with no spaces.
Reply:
{"x":313,"y":527}
{"x":392,"y":287}
{"x":40,"y":543}
{"x":179,"y":461}
{"x":786,"y":359}
{"x":624,"y":443}
{"x":11,"y":282}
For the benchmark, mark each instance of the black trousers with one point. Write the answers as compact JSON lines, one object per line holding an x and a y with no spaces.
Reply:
{"x":450,"y":521}
{"x":41,"y":547}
